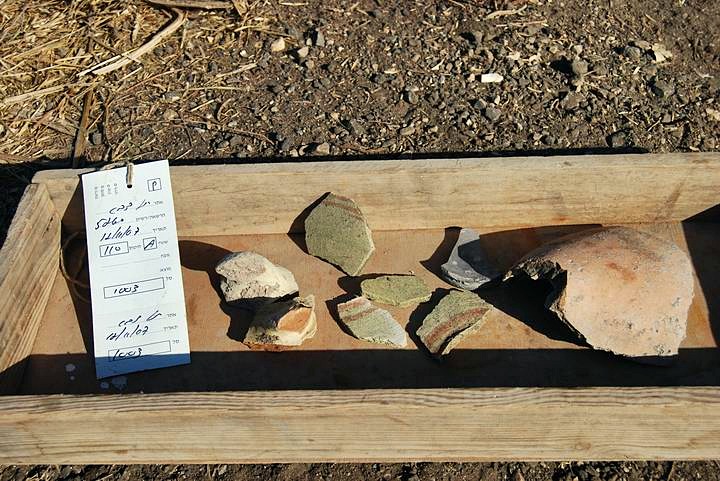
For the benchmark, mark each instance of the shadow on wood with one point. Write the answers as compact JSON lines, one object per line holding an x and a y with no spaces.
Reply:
{"x":377,"y":369}
{"x":702,"y":240}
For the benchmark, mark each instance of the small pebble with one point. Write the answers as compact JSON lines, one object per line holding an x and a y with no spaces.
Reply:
{"x":170,"y":114}
{"x":475,"y":37}
{"x":579,"y":67}
{"x":318,"y":38}
{"x":491,"y":78}
{"x":616,"y":140}
{"x":278,"y":45}
{"x":302,"y":52}
{"x":285,"y":145}
{"x":411,"y":97}
{"x":571,"y":101}
{"x":171,"y":96}
{"x":322,"y":149}
{"x":405,"y":131}
{"x":235,"y":140}
{"x":632,"y":52}
{"x":354,"y":127}
{"x":492,"y":114}
{"x":662,"y":89}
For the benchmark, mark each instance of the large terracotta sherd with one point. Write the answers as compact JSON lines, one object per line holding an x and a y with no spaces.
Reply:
{"x":282,"y":324}
{"x":370,"y":323}
{"x":252,"y":280}
{"x":399,"y":290}
{"x":336,"y":231}
{"x":622,"y":290}
{"x":457,"y":315}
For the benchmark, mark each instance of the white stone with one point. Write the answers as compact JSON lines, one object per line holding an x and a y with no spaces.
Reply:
{"x":251,"y":278}
{"x":278,"y":45}
{"x":491,"y":78}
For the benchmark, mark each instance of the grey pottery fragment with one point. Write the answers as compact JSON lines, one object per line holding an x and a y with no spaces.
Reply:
{"x":398,"y":290}
{"x":282,"y":324}
{"x":457,"y":315}
{"x":622,"y":290}
{"x":250,"y":279}
{"x":370,"y":323}
{"x":336,"y":231}
{"x":468,"y":266}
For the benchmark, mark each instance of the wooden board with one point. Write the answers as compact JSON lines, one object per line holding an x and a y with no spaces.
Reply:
{"x":28,"y":263}
{"x":431,"y":194}
{"x":376,"y":425}
{"x":521,"y":345}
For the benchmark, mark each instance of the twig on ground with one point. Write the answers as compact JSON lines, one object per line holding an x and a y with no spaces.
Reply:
{"x":34,"y":94}
{"x":503,"y":13}
{"x":132,"y":56}
{"x":81,"y":137}
{"x":200,"y":4}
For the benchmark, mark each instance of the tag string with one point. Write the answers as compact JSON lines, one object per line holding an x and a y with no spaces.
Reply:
{"x":122,"y":163}
{"x":71,"y":277}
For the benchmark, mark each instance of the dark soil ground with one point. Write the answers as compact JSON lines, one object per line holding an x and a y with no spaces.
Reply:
{"x":385,"y":78}
{"x":627,"y":471}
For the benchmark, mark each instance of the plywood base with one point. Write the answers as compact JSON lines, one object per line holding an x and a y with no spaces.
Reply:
{"x":521,"y":345}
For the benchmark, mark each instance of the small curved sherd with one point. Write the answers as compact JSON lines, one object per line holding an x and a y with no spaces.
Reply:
{"x":468,"y":266}
{"x":622,"y":290}
{"x":457,"y":315}
{"x":337,"y":232}
{"x":396,"y":290}
{"x":249,"y":278}
{"x":282,"y":324}
{"x":370,"y":323}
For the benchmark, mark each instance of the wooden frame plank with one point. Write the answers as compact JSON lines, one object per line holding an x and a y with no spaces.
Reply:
{"x":28,"y":263}
{"x":418,"y":194}
{"x":377,"y":425}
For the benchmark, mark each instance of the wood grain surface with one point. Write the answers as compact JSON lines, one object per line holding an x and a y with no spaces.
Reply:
{"x":427,"y":194}
{"x":521,"y":345}
{"x":376,"y":425}
{"x":28,"y":264}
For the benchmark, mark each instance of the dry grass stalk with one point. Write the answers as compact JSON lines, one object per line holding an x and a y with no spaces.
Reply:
{"x":119,"y":61}
{"x":81,"y":137}
{"x":44,"y":46}
{"x":200,"y":4}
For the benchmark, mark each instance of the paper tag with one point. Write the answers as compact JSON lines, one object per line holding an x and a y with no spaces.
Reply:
{"x":138,"y":304}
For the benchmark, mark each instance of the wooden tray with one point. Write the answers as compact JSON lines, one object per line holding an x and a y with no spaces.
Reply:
{"x":523,"y":388}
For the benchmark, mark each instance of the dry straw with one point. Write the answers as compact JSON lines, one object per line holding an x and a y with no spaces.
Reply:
{"x":65,"y":65}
